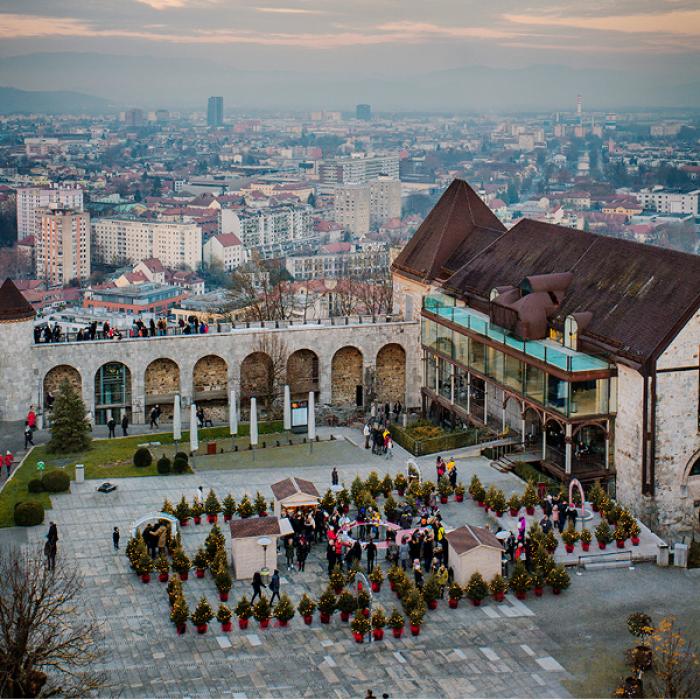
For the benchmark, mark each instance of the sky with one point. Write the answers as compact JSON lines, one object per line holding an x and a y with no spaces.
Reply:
{"x":361,"y":38}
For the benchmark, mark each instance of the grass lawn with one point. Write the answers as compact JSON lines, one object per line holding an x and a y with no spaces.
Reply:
{"x":107,"y":459}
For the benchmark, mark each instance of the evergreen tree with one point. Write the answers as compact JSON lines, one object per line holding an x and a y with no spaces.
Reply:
{"x":70,"y":432}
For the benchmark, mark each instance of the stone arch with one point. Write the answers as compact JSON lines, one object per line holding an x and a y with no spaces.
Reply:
{"x":692,"y":469}
{"x":161,"y":383}
{"x":346,"y":376}
{"x":302,"y":373}
{"x":57,"y":375}
{"x":112,"y":392}
{"x":210,"y":382}
{"x":257,"y":378}
{"x":391,"y":374}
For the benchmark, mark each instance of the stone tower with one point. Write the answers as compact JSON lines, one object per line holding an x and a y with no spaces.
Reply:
{"x":19,"y":387}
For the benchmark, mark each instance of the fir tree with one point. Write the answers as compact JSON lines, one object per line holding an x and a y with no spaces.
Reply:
{"x":70,"y":432}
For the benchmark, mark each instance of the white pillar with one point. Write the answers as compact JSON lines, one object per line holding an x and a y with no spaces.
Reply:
{"x":194,"y":436}
{"x":486,"y":403}
{"x":287,"y":408}
{"x":522,"y":424}
{"x":177,"y":419}
{"x":469,"y":393}
{"x":607,"y":444}
{"x":452,"y":384}
{"x":312,"y":416}
{"x":544,"y":442}
{"x":503,"y":413}
{"x":567,"y":463}
{"x":232,"y":413}
{"x":254,"y":422}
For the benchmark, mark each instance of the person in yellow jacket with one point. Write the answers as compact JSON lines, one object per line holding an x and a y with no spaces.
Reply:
{"x":442,"y":576}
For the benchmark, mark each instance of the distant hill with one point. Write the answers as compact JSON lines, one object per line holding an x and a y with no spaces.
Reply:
{"x":14,"y":101}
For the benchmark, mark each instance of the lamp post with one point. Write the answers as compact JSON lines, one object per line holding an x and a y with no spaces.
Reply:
{"x":265,"y":542}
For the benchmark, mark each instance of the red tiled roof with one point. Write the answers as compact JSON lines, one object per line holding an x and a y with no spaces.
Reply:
{"x":255,"y":527}
{"x":469,"y":537}
{"x":287,"y":487}
{"x":153,"y":264}
{"x":228,"y":239}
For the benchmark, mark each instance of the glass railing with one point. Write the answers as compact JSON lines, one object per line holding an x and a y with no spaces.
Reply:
{"x":564,"y":359}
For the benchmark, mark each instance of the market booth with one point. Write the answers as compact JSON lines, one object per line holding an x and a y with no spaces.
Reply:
{"x":472,"y":549}
{"x":293,"y":493}
{"x":254,"y":544}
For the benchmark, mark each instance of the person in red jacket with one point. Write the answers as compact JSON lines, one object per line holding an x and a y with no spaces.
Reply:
{"x":31,"y":418}
{"x":8,"y":462}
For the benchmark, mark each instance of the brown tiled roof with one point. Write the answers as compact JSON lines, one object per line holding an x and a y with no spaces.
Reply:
{"x":469,"y":536}
{"x":287,"y":487}
{"x":637,"y":294}
{"x":255,"y":527}
{"x":13,"y":306}
{"x":458,"y":227}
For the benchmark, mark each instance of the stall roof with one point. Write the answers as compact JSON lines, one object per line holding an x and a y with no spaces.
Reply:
{"x":288,"y":487}
{"x":260,"y":527}
{"x":469,"y":537}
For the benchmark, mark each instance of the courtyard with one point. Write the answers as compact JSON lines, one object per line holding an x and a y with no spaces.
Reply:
{"x":540,"y":647}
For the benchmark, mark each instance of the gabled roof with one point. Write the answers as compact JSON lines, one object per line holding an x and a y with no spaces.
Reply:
{"x":13,"y":306}
{"x":469,"y":537}
{"x":288,"y":487}
{"x":228,"y":240}
{"x":255,"y":527}
{"x":458,"y":227}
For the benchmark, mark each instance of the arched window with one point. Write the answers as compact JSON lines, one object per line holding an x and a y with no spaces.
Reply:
{"x":695,"y":469}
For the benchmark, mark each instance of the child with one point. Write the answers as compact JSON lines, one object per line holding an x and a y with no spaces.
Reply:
{"x":115,"y":537}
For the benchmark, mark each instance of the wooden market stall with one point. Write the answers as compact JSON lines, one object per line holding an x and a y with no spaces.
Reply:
{"x":293,"y":493}
{"x":472,"y":549}
{"x":248,"y":555}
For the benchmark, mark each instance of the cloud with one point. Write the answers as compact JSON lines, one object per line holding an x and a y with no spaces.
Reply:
{"x":163,"y":4}
{"x":416,"y":30}
{"x":678,"y":22}
{"x":288,"y":11}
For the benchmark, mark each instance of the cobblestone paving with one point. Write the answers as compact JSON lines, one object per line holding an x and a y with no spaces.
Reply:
{"x":494,"y":651}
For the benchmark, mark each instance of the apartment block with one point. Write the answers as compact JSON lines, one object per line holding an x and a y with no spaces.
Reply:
{"x":225,"y":249}
{"x":358,"y":170}
{"x":669,"y":201}
{"x":352,"y":208}
{"x":32,"y":199}
{"x":62,"y":246}
{"x":361,"y":264}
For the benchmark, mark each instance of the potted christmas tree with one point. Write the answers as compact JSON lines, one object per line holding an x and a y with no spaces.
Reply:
{"x":475,"y":487}
{"x":393,"y":575}
{"x":243,"y":611}
{"x":223,"y":615}
{"x":179,"y":614}
{"x":459,"y":492}
{"x":223,"y":582}
{"x":306,"y":609}
{"x":202,"y":615}
{"x":163,"y":568}
{"x":488,"y":498}
{"x":396,"y":623}
{"x":183,"y":512}
{"x":550,"y":542}
{"x":415,"y":617}
{"x":520,"y":581}
{"x":454,"y":594}
{"x":260,"y":505}
{"x":362,"y":601}
{"x":570,"y":537}
{"x":167,"y":507}
{"x":498,"y":503}
{"x":476,"y":589}
{"x":378,"y":624}
{"x":360,"y":626}
{"x":376,"y":577}
{"x":444,"y":489}
{"x":228,"y":506}
{"x":200,"y":561}
{"x":634,"y":532}
{"x":174,"y":590}
{"x":284,"y":610}
{"x":346,"y":605}
{"x":387,"y":486}
{"x":212,"y":507}
{"x":620,"y":536}
{"x":431,"y":592}
{"x":328,"y":501}
{"x":372,"y":484}
{"x":538,"y":581}
{"x":400,"y":482}
{"x":262,"y":611}
{"x":514,"y":504}
{"x":586,"y":538}
{"x":343,"y":499}
{"x":197,"y":509}
{"x":337,"y":579}
{"x":530,"y":498}
{"x":498,"y":587}
{"x":595,"y":496}
{"x":144,"y":566}
{"x":391,"y":509}
{"x":603,"y":534}
{"x":326,"y":605}
{"x":558,"y":579}
{"x":245,"y":507}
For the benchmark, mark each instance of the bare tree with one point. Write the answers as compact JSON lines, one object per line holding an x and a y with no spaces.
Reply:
{"x":676,"y":664}
{"x":48,"y":643}
{"x":266,"y":376}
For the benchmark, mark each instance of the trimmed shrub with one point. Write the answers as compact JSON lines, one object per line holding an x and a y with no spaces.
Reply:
{"x":142,"y":457}
{"x":35,"y":486}
{"x":181,"y":455}
{"x":180,"y":464}
{"x":163,"y":465}
{"x":29,"y":513}
{"x":55,"y":481}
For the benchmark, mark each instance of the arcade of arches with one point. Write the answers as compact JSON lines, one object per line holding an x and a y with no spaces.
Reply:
{"x":302,"y":373}
{"x":63,"y":373}
{"x":391,"y":374}
{"x":346,"y":376}
{"x":257,"y":378}
{"x":161,"y":383}
{"x":210,"y":379}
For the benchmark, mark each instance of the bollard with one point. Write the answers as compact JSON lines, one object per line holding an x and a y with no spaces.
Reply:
{"x":662,"y":555}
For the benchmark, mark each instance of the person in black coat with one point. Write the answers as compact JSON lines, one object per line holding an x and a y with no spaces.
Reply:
{"x":371,"y":551}
{"x":257,"y":585}
{"x":275,"y":586}
{"x":125,"y":424}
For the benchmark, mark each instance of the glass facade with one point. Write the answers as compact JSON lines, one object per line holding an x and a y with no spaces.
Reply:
{"x":444,"y":378}
{"x":461,"y":388}
{"x":112,"y":392}
{"x":443,"y":341}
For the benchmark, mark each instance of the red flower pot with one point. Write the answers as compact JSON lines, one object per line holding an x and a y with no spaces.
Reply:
{"x":432,"y":605}
{"x":514,"y":512}
{"x":184,"y":575}
{"x":163,"y":577}
{"x":262,"y":514}
{"x":620,"y":544}
{"x":282,"y":623}
{"x":397,"y":632}
{"x":556,"y":591}
{"x":499,"y":596}
{"x":499,"y":513}
{"x":378,"y":634}
{"x":325,"y":617}
{"x":443,"y":499}
{"x":530,"y":510}
{"x":344,"y":616}
{"x":199,"y":573}
{"x":482,"y":504}
{"x":586,"y":546}
{"x":181,"y":629}
{"x":359,"y":637}
{"x":227,"y":518}
{"x":376,"y":587}
{"x":401,"y":492}
{"x":201,"y":629}
{"x":635,"y":541}
{"x":308,"y":619}
{"x":185,"y":522}
{"x":242,"y":623}
{"x":521,"y":595}
{"x":459,"y":497}
{"x":211,"y":518}
{"x":338,"y":590}
{"x":601,"y":545}
{"x":392,"y":586}
{"x":264,"y":624}
{"x":197,"y":519}
{"x":453,"y":603}
{"x":475,"y":602}
{"x":146,"y":578}
{"x":415,"y":630}
{"x":365,"y":612}
{"x":223,"y":596}
{"x":538,"y":591}
{"x":569,"y":548}
{"x":226,"y":626}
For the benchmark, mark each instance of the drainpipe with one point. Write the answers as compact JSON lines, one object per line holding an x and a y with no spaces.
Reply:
{"x":645,"y":413}
{"x":652,"y":434}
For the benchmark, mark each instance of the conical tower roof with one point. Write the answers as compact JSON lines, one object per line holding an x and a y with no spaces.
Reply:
{"x":13,"y":306}
{"x":459,"y":226}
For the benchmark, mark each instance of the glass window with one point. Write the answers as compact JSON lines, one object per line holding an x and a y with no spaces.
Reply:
{"x":477,"y":356}
{"x":444,"y":340}
{"x":461,"y":349}
{"x":495,"y":364}
{"x":534,"y":383}
{"x":589,"y":397}
{"x":444,"y":378}
{"x":513,"y":373}
{"x":430,"y":376}
{"x":461,"y":387}
{"x":428,"y":333}
{"x":557,"y":393}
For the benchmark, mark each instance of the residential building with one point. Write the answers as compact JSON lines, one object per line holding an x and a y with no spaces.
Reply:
{"x":352,"y":208}
{"x":670,"y":201}
{"x":62,"y":246}
{"x":215,"y":111}
{"x":363,"y":112}
{"x":135,"y":299}
{"x":119,"y":241}
{"x":359,"y":264}
{"x":357,"y":170}
{"x":384,"y":201}
{"x":31,"y":199}
{"x":225,"y":249}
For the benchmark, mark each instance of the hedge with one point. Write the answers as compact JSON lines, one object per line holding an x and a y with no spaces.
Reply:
{"x":142,"y":457}
{"x":55,"y":481}
{"x":35,"y":486}
{"x":163,"y":465}
{"x":443,"y":443}
{"x":180,"y":464}
{"x":29,"y":513}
